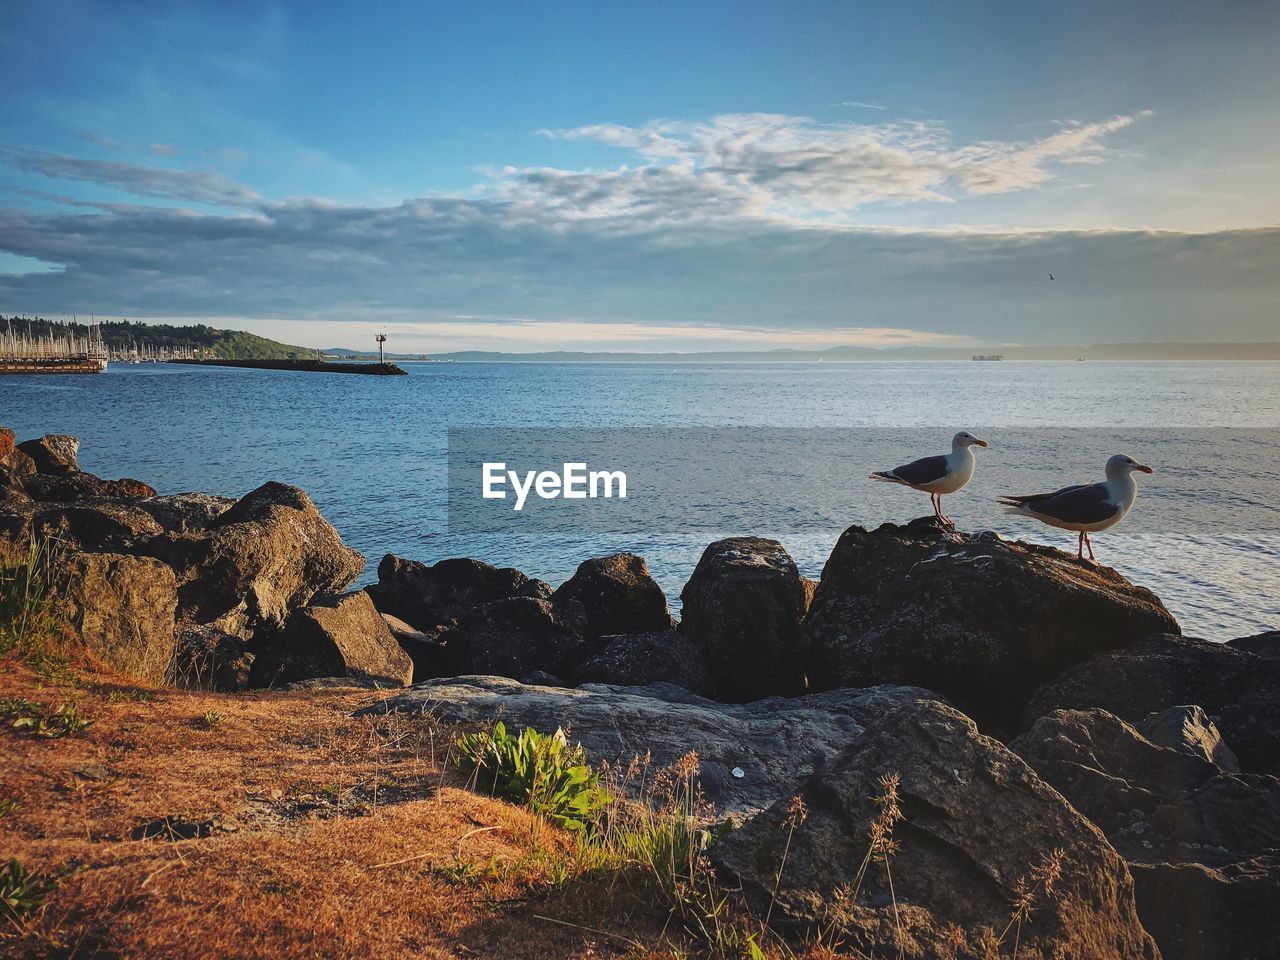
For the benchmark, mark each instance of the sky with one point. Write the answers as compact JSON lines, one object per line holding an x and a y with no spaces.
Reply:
{"x":658,"y":176}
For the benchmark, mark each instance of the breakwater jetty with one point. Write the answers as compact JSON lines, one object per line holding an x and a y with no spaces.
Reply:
{"x":309,"y":366}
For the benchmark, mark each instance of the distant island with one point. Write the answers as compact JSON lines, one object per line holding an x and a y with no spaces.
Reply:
{"x":123,"y":336}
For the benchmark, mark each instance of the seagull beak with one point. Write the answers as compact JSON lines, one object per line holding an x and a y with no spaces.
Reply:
{"x":981,"y":443}
{"x":1144,"y":468}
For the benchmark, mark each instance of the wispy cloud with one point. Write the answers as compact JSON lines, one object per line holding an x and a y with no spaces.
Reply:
{"x":99,"y":141}
{"x":864,"y":104}
{"x":194,"y":186}
{"x":163,"y":149}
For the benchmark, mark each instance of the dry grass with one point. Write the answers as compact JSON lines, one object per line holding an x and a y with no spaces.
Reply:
{"x":289,"y":828}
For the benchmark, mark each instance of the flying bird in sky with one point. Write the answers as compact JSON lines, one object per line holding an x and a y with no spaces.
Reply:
{"x":1051,"y":276}
{"x":1087,"y":507}
{"x":939,"y":475}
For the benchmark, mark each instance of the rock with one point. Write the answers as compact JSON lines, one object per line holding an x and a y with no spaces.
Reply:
{"x":259,"y":560}
{"x":1263,"y":644}
{"x":186,"y":512}
{"x":430,"y":596}
{"x":54,"y":453}
{"x":1206,"y":913}
{"x":123,"y":608}
{"x":6,"y":442}
{"x":1188,"y":730}
{"x":976,"y":819}
{"x":15,"y":469}
{"x":104,"y":526}
{"x":426,"y":650}
{"x":639,"y":659}
{"x":514,"y":637}
{"x":206,"y":658}
{"x":743,"y":608}
{"x":1109,"y":771}
{"x":75,"y":487}
{"x":775,"y":742}
{"x":1238,"y":689}
{"x":340,"y":637}
{"x":1190,"y":828}
{"x":974,"y":617}
{"x":618,"y":595}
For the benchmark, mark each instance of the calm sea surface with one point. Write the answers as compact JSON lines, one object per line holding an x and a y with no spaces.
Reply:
{"x":372,"y":451}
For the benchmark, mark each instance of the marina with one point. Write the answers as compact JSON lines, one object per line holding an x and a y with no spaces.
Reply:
{"x":63,"y":351}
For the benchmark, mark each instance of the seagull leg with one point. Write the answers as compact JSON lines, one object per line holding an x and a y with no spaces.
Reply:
{"x":945,"y":519}
{"x":1080,"y":545}
{"x":1088,"y":543}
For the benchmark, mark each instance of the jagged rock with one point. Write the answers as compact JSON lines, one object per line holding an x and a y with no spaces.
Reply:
{"x":639,"y":659}
{"x":430,"y":596}
{"x":186,"y":512}
{"x":1238,"y":689}
{"x":426,"y":650}
{"x":54,"y":453}
{"x":339,"y":637}
{"x":206,"y":658}
{"x":78,"y":486}
{"x":514,"y":637}
{"x":772,"y":743}
{"x":618,"y":595}
{"x":122,"y":607}
{"x":262,"y":558}
{"x":1197,"y":912}
{"x":743,"y":608}
{"x":6,"y":442}
{"x":980,"y":619}
{"x":1190,"y":827}
{"x":1262,"y":644}
{"x":15,"y":469}
{"x":976,"y":819}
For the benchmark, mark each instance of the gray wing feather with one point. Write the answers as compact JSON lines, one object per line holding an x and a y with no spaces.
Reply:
{"x":924,"y":470}
{"x":1083,"y":503}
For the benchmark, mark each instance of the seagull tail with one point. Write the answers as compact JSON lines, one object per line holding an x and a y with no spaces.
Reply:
{"x":1013,"y":504}
{"x":886,"y":476}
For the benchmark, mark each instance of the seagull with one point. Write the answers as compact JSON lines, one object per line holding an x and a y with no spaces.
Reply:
{"x":1051,"y":276}
{"x":1085,"y":507}
{"x":938,"y":475}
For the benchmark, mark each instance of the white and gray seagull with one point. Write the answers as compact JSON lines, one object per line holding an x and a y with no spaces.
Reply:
{"x":939,"y":475}
{"x":1086,"y":507}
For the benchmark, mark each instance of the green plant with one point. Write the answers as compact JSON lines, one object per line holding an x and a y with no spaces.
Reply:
{"x":23,"y":891}
{"x":9,"y":805}
{"x":27,"y":717}
{"x":542,"y":772}
{"x":211,"y":719}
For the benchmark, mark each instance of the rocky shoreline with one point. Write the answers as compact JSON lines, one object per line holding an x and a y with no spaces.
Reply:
{"x":1031,"y":704}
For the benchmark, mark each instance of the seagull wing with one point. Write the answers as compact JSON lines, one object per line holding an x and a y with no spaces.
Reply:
{"x":1082,"y":503}
{"x":924,"y":470}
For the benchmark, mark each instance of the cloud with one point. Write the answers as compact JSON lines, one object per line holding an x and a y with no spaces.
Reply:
{"x":866,"y":105}
{"x":196,"y":187}
{"x":99,"y":141}
{"x":163,"y":149}
{"x":774,"y":165}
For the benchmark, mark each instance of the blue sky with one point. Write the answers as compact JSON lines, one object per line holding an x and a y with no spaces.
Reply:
{"x":665,"y":176}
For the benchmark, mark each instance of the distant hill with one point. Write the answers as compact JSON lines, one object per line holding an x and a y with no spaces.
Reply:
{"x":348,"y":354}
{"x":223,"y":344}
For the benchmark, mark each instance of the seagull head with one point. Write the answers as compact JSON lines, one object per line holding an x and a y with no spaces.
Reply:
{"x":966,"y":439}
{"x":1122,"y":466}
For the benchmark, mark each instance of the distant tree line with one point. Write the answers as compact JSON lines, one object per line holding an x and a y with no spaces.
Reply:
{"x":124,"y":334}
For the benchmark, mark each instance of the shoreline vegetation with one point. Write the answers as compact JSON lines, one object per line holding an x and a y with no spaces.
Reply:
{"x":951,"y":746}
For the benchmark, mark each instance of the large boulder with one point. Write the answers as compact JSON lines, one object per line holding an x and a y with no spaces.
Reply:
{"x":750,"y":754}
{"x":980,"y":619}
{"x":101,"y":526}
{"x":976,"y":822}
{"x":257,"y":561}
{"x":516,"y":637}
{"x":123,"y":609}
{"x":1236,"y":686}
{"x":743,"y":607}
{"x":619,"y":596}
{"x":1202,"y":839}
{"x":640,"y":659}
{"x":15,"y":469}
{"x":54,"y":453}
{"x":186,"y":512}
{"x":338,"y":637}
{"x":6,"y":442}
{"x":425,"y":648}
{"x":431,"y":596}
